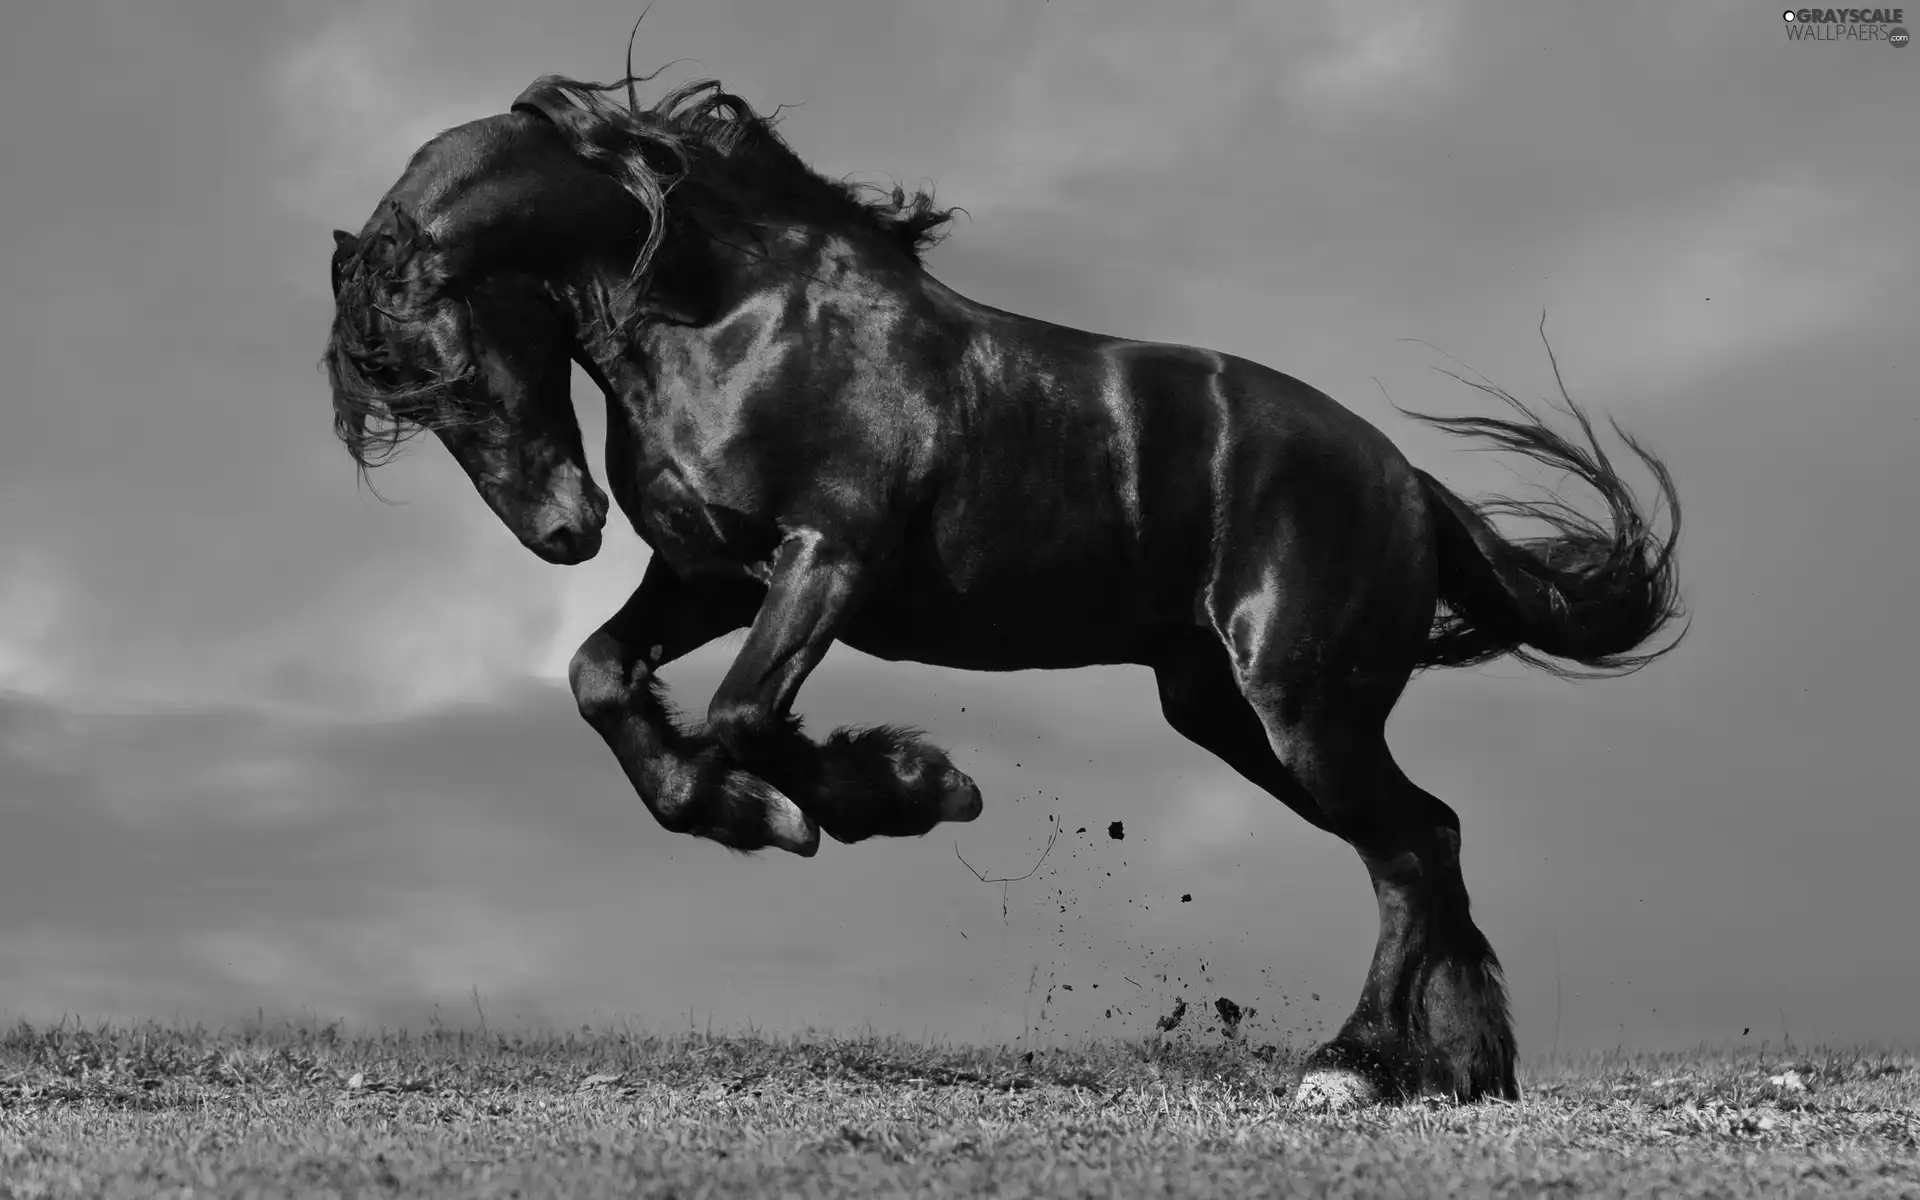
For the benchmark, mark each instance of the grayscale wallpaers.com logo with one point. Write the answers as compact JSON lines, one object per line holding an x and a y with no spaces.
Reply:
{"x":1847,"y":25}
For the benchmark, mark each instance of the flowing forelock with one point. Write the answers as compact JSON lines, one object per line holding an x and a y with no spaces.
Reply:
{"x":386,"y":288}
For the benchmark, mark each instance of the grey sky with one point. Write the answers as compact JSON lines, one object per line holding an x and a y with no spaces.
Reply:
{"x":264,"y":741}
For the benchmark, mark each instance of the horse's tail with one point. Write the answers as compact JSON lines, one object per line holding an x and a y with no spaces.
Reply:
{"x":1591,"y":593}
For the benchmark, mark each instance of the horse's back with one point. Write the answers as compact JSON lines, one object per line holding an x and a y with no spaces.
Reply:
{"x":1157,"y":407}
{"x":1093,"y":489}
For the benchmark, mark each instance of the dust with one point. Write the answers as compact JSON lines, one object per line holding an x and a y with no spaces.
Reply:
{"x":1105,"y":963}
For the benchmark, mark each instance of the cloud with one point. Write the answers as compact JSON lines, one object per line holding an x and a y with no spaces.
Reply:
{"x":234,"y":858}
{"x":1375,"y":56}
{"x":355,"y":105}
{"x":497,"y":845}
{"x":1756,"y":265}
{"x":1097,"y":97}
{"x":1133,"y":98}
{"x":195,"y":534}
{"x":30,"y":600}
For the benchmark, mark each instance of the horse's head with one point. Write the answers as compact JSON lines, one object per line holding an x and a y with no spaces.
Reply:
{"x":457,"y":310}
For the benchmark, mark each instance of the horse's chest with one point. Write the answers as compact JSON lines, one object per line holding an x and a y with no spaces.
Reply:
{"x":696,"y":535}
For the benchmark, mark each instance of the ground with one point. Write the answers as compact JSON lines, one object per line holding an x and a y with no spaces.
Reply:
{"x":310,"y":1112}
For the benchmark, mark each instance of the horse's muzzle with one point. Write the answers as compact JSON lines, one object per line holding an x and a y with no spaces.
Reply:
{"x":571,"y":533}
{"x":566,"y":545}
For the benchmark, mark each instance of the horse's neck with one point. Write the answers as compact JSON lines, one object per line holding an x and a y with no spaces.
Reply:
{"x":695,"y":299}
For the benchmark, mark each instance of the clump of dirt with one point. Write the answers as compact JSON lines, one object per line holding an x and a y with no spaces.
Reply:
{"x":1117,"y":830}
{"x":1171,"y":1021}
{"x":1231,"y":1015}
{"x":1186,"y":897}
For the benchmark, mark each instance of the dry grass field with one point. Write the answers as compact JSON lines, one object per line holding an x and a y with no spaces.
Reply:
{"x":155,"y":1111}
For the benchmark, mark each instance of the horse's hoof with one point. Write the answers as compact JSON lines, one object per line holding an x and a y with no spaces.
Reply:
{"x":961,"y":800}
{"x":1333,"y":1089}
{"x":788,"y":828}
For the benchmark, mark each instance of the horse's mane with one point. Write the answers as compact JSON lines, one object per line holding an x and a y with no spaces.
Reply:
{"x":723,"y":161}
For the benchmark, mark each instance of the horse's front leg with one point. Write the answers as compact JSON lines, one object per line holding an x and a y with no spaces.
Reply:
{"x":686,"y":780}
{"x":857,"y":784}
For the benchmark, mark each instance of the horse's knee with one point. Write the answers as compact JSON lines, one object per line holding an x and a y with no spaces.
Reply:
{"x":598,"y":676}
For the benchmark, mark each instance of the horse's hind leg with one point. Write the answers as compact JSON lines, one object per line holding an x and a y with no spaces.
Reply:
{"x":684,"y":779}
{"x":1432,"y":1016}
{"x":1320,"y":674}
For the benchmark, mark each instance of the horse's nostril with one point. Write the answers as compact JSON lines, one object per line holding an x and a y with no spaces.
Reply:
{"x":566,"y":543}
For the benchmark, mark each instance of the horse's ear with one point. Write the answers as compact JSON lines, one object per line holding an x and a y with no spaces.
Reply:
{"x":541,"y":102}
{"x":345,"y":245}
{"x":524,"y":105}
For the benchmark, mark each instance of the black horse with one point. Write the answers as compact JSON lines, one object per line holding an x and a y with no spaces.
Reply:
{"x":822,"y":442}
